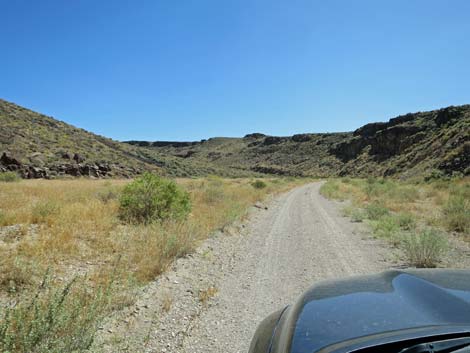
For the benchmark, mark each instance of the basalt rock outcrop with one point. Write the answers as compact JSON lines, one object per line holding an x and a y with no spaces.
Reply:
{"x":410,"y":145}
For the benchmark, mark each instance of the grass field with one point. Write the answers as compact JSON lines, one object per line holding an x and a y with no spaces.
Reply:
{"x":67,"y":259}
{"x":417,"y":216}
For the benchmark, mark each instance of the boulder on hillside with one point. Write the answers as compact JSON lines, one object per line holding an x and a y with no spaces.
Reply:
{"x":301,"y":137}
{"x":8,"y":160}
{"x":67,"y":155}
{"x":78,"y":158}
{"x":255,"y":135}
{"x":272,"y":140}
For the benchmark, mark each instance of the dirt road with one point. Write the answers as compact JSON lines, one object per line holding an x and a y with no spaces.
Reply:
{"x":300,"y":239}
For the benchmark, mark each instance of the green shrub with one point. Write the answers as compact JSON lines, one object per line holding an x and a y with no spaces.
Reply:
{"x":42,"y":210}
{"x":259,"y":184}
{"x":406,"y":221}
{"x":330,"y":190}
{"x":386,"y":227}
{"x":456,"y":214}
{"x":54,"y":320}
{"x":9,"y":177}
{"x":375,"y":211}
{"x":151,"y":198}
{"x":356,"y":214}
{"x":370,"y":187}
{"x":424,"y":249}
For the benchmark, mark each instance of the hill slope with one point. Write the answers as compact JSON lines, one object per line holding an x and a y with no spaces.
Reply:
{"x":412,"y":144}
{"x":36,"y":145}
{"x":39,"y":146}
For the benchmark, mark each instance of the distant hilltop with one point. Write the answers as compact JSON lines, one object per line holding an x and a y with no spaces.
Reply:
{"x":413,"y":145}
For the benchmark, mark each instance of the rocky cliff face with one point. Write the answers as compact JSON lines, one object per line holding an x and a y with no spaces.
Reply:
{"x":432,"y":140}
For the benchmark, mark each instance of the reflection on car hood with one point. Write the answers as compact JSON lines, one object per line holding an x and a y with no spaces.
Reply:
{"x":338,"y":311}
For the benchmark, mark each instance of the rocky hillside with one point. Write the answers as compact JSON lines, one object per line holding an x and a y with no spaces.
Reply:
{"x":410,"y":145}
{"x":38,"y":146}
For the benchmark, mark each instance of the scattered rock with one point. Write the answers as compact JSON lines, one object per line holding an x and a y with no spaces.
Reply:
{"x":78,"y":158}
{"x":301,"y":137}
{"x":67,"y":155}
{"x":8,"y":160}
{"x":255,"y":135}
{"x":272,"y":140}
{"x":260,"y":206}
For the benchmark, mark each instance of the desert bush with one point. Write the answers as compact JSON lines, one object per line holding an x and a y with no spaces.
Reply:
{"x":456,"y":213}
{"x":331,"y":190}
{"x":42,"y":210}
{"x":9,"y":177}
{"x":107,"y":194}
{"x":151,"y":198}
{"x":15,"y":274}
{"x":259,"y":184}
{"x":356,"y":214}
{"x":375,"y":211}
{"x":406,"y":221}
{"x":53,"y":320}
{"x":370,"y":187}
{"x":424,"y":249}
{"x":386,"y":227}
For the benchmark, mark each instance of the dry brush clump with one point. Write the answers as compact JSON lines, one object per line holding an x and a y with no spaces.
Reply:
{"x":75,"y":229}
{"x":425,"y":248}
{"x":411,"y":215}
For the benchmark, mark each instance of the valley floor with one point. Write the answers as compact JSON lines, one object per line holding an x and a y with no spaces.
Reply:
{"x":213,"y":300}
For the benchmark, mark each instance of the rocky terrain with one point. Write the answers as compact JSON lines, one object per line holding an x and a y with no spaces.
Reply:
{"x":418,"y":144}
{"x":38,"y":146}
{"x":410,"y":145}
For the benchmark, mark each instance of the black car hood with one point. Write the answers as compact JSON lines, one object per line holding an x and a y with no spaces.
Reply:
{"x":394,"y":301}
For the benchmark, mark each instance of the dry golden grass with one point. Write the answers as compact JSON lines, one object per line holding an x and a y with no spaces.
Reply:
{"x":78,"y":230}
{"x":70,"y":228}
{"x":414,"y":216}
{"x":206,"y":294}
{"x":442,"y":204}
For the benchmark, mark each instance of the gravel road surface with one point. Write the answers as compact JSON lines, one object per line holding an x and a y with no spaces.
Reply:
{"x":212,"y":301}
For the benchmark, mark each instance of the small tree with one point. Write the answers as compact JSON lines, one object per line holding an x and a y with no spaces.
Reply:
{"x":151,"y":198}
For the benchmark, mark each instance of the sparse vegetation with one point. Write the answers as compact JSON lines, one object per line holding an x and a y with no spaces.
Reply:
{"x":79,"y":235}
{"x":206,"y":294}
{"x":53,"y":319}
{"x":9,"y":177}
{"x":456,"y":214}
{"x":259,"y":184}
{"x":411,"y":215}
{"x":424,"y":249}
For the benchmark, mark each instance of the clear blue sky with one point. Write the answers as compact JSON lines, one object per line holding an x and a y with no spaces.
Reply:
{"x":186,"y":70}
